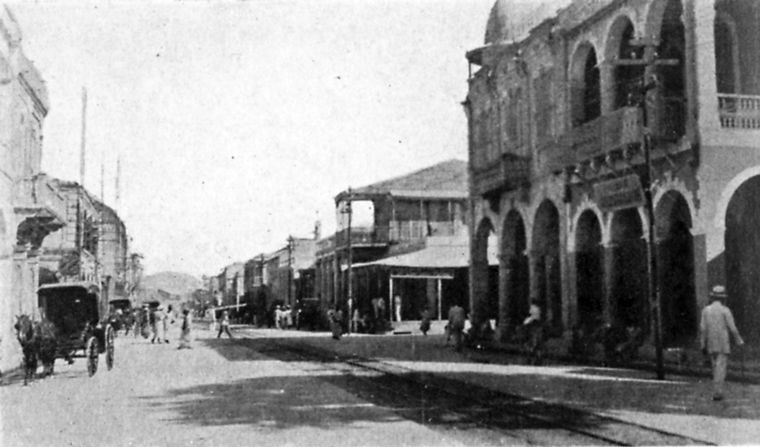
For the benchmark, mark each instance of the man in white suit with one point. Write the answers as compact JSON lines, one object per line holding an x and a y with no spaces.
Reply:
{"x":716,"y":326}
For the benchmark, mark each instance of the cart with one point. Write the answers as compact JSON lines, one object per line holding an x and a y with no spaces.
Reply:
{"x":81,"y":322}
{"x":120,"y":314}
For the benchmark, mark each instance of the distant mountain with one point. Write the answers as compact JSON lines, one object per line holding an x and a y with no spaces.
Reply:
{"x":175,"y":283}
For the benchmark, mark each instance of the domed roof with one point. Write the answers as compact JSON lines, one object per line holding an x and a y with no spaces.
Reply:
{"x":497,"y":28}
{"x":513,"y":19}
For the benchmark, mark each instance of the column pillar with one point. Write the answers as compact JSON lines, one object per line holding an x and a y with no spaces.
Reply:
{"x":501,"y":328}
{"x":608,"y":272}
{"x":607,"y":84}
{"x":700,"y":41}
{"x":701,"y":276}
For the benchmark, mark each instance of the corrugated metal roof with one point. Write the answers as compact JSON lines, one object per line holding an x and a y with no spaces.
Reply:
{"x":445,"y":179}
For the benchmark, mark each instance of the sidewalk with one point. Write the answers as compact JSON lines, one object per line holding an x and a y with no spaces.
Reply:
{"x":681,"y":404}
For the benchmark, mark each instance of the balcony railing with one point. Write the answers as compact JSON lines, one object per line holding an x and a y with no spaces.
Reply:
{"x":380,"y":236}
{"x":739,"y":111}
{"x":362,"y":236}
{"x":509,"y":172}
{"x":597,"y":137}
{"x":411,"y":230}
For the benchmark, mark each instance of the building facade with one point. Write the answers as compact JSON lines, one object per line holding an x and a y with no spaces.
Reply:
{"x":72,"y":253}
{"x":30,"y":207}
{"x":113,"y":252}
{"x":572,"y":118}
{"x":388,"y":218}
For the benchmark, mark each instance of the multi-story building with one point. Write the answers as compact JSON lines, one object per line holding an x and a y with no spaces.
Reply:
{"x":30,"y":207}
{"x":385,"y":219}
{"x":231,"y":284}
{"x":71,"y":254}
{"x":112,"y":253}
{"x":570,"y":118}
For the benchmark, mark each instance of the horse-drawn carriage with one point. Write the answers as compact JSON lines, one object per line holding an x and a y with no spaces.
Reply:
{"x":81,"y":323}
{"x":120,"y":314}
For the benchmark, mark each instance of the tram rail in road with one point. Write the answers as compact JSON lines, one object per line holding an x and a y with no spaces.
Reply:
{"x":432,"y":399}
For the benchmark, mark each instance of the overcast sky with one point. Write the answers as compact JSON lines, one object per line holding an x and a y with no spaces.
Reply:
{"x":238,"y":122}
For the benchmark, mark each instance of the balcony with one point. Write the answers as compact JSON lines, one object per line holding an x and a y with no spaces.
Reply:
{"x":40,"y":209}
{"x":376,"y":236}
{"x":325,"y":246}
{"x":739,"y":111}
{"x":607,"y":133}
{"x":507,"y":173}
{"x":412,"y":230}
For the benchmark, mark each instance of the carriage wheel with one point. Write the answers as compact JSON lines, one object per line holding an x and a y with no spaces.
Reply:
{"x":109,"y":347}
{"x":91,"y":352}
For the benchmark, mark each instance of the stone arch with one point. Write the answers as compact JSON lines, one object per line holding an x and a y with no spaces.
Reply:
{"x":626,"y":79}
{"x":742,"y":257}
{"x":585,"y":84}
{"x":546,"y":263}
{"x":516,"y":269}
{"x":589,"y":267}
{"x":675,"y":269}
{"x":728,"y":193}
{"x":628,"y":269}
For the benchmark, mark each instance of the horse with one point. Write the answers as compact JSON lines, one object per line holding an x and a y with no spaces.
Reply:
{"x":48,"y":345}
{"x":30,"y":344}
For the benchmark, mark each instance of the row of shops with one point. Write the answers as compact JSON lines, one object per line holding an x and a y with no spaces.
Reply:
{"x":402,"y":240}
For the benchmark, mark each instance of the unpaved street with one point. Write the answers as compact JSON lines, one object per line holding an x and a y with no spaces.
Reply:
{"x":218,"y":393}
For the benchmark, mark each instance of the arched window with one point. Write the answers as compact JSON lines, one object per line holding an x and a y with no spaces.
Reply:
{"x":726,"y":54}
{"x":628,"y":78}
{"x":586,"y":88}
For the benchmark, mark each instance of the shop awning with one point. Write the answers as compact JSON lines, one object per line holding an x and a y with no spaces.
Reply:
{"x":437,"y":256}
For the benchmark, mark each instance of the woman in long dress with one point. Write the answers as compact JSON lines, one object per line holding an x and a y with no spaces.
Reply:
{"x":185,"y":337}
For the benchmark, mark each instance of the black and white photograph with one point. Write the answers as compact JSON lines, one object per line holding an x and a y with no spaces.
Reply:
{"x":379,"y":222}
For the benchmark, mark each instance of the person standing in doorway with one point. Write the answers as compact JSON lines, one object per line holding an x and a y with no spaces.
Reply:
{"x":397,"y":306}
{"x":224,"y":325}
{"x":716,"y":327}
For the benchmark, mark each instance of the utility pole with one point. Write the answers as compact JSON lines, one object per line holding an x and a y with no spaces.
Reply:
{"x":349,"y":271}
{"x":80,"y":207}
{"x":290,"y":270}
{"x":650,"y":62}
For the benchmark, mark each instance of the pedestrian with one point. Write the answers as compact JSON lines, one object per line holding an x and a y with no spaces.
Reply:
{"x":167,"y":319}
{"x":534,"y":333}
{"x":455,"y":326}
{"x":155,"y":324}
{"x":185,"y":337}
{"x":716,"y":327}
{"x":397,"y":307}
{"x":356,"y":321}
{"x":336,"y":324}
{"x":159,"y":333}
{"x":425,"y":321}
{"x":224,"y":325}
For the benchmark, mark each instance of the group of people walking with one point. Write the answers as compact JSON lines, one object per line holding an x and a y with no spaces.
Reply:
{"x":154,"y":323}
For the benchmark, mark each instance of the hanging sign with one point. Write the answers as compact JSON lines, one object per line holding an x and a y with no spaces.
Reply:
{"x":620,"y":193}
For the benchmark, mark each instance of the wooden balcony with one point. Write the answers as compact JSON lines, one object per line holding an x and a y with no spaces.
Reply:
{"x":595,"y":138}
{"x":375,"y":236}
{"x":507,"y":173}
